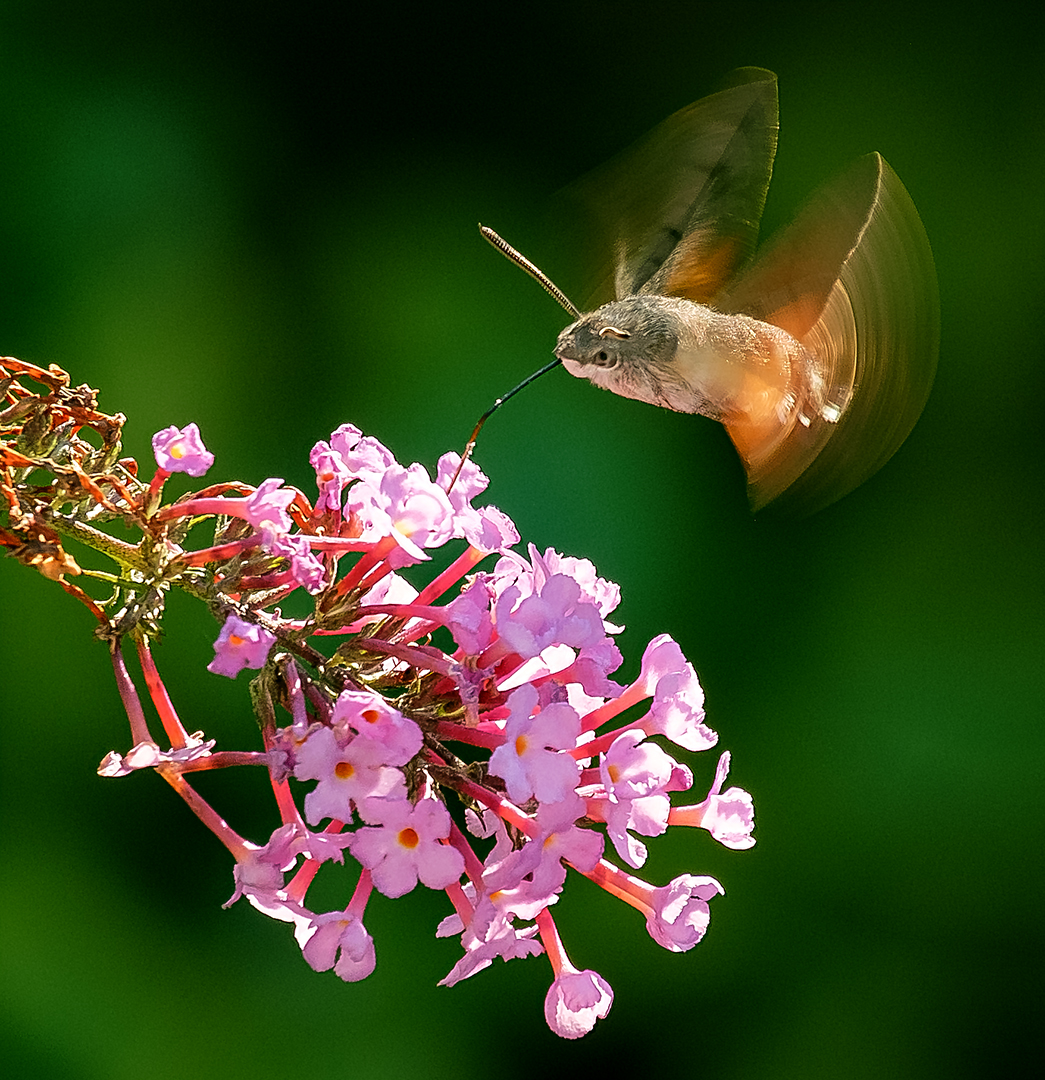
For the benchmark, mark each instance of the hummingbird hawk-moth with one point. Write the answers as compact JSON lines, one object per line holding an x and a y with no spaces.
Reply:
{"x":816,"y":350}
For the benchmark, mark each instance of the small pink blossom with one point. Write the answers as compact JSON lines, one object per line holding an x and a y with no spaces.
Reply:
{"x":677,"y":710}
{"x":529,"y":761}
{"x":557,"y":615}
{"x":576,"y":1000}
{"x":371,"y":717}
{"x":490,"y":933}
{"x":240,"y":645}
{"x":266,"y":508}
{"x":339,"y":940}
{"x":347,"y":773}
{"x":406,"y":845}
{"x":679,"y":915}
{"x":637,"y":778}
{"x":728,"y":816}
{"x":305,"y":568}
{"x":332,"y":476}
{"x":181,"y":450}
{"x":147,"y":755}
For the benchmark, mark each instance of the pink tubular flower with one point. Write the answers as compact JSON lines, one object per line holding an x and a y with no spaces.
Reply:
{"x":266,"y":509}
{"x":529,"y":761}
{"x":557,"y":615}
{"x":679,"y":914}
{"x":339,"y":940}
{"x":677,"y":711}
{"x":575,"y":1001}
{"x":406,"y":845}
{"x":637,"y":779}
{"x":396,"y":737}
{"x":181,"y":450}
{"x":729,"y":817}
{"x":348,"y":772}
{"x":240,"y":645}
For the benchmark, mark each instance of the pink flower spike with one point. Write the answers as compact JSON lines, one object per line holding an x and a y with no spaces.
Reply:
{"x":240,"y":645}
{"x":181,"y":450}
{"x":406,"y":845}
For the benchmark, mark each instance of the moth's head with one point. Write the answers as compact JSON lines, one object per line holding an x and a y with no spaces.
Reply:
{"x":619,"y":339}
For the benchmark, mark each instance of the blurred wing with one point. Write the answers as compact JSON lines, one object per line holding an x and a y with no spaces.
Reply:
{"x":677,"y":212}
{"x":853,"y":279}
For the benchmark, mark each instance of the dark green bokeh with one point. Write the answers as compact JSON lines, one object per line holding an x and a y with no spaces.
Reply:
{"x":266,"y":224}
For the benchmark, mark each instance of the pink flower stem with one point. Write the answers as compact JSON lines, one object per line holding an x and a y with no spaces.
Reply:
{"x":172,"y":725}
{"x":631,"y":696}
{"x":224,"y":759}
{"x":459,"y":899}
{"x":616,"y":882}
{"x":129,"y":697}
{"x":451,"y":732}
{"x":504,"y":809}
{"x":453,"y":573}
{"x":473,"y":867}
{"x":368,"y":561}
{"x":364,"y":887}
{"x":217,"y":553}
{"x":552,"y":942}
{"x":300,"y":882}
{"x":200,"y":506}
{"x":206,"y":813}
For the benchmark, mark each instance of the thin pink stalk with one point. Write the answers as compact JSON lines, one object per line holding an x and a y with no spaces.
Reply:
{"x":453,"y":573}
{"x":129,"y":696}
{"x":172,"y":725}
{"x":238,"y":847}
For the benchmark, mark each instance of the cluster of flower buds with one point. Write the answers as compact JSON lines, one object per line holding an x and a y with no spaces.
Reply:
{"x":487,"y":693}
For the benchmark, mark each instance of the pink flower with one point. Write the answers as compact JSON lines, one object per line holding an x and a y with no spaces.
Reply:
{"x":679,"y":914}
{"x":557,"y":615}
{"x":147,"y":755}
{"x":347,"y":773}
{"x":339,"y":940}
{"x":305,"y":568}
{"x":677,"y":711}
{"x":363,"y":455}
{"x":529,"y":761}
{"x":575,"y":1001}
{"x":485,"y":528}
{"x":332,"y":475}
{"x":266,"y":509}
{"x":240,"y":645}
{"x":729,"y":817}
{"x":490,"y":933}
{"x":406,"y":845}
{"x":181,"y":450}
{"x":637,"y":779}
{"x":372,"y":718}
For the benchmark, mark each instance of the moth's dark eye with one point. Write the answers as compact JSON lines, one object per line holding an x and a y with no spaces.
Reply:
{"x":602,"y":357}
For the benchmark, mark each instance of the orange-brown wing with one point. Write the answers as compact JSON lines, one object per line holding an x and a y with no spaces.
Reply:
{"x":677,"y":213}
{"x":852,"y":277}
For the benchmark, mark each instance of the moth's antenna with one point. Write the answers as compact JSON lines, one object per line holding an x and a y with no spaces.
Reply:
{"x":535,"y":272}
{"x":553,"y":290}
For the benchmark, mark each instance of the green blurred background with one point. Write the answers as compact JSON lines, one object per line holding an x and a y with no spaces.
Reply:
{"x":265,"y":222}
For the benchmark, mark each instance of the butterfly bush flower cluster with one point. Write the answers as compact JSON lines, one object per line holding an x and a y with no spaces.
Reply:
{"x":468,"y":736}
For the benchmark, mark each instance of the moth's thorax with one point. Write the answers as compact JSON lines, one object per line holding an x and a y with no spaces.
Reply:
{"x":684,"y":356}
